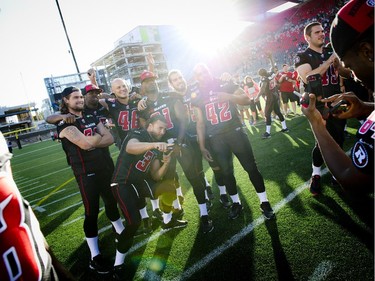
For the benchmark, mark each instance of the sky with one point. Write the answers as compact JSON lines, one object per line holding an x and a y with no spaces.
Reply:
{"x":34,"y":45}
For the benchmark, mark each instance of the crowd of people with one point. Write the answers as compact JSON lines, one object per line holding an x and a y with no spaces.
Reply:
{"x":154,"y":130}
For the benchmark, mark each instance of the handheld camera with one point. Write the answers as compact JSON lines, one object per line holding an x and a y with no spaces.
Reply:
{"x":313,"y":86}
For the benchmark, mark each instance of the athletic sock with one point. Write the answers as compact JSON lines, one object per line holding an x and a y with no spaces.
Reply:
{"x":203,"y":209}
{"x":118,"y":225}
{"x":283,"y":124}
{"x":235,"y":198}
{"x":179,"y":191}
{"x":316,"y":171}
{"x":222,"y":189}
{"x":155,"y":204}
{"x":143,"y":213}
{"x":268,"y":129}
{"x":176,"y":204}
{"x":262,"y":196}
{"x":120,"y":258}
{"x":167,"y":217}
{"x":93,"y":243}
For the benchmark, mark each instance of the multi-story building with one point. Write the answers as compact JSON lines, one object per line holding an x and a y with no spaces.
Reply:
{"x":128,"y":59}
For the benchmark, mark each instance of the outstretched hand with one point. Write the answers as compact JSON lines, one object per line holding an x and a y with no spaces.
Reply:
{"x":354,"y":107}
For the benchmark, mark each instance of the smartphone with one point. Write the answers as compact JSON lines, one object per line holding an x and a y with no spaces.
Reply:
{"x":341,"y":106}
{"x":314,"y":85}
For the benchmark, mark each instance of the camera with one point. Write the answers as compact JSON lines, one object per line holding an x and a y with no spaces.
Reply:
{"x":313,"y":86}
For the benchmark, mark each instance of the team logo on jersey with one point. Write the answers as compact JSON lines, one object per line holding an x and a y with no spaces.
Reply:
{"x":359,"y":155}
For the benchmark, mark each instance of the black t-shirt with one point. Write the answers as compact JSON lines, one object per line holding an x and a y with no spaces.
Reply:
{"x":220,"y":117}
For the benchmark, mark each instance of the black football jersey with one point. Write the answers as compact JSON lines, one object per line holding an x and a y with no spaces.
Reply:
{"x":125,"y":116}
{"x":132,"y":168}
{"x":330,"y":79}
{"x":83,"y":161}
{"x":362,"y":153}
{"x":220,"y":117}
{"x":164,"y":105}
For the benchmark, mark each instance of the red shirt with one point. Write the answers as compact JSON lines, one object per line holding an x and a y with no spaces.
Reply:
{"x":285,"y":82}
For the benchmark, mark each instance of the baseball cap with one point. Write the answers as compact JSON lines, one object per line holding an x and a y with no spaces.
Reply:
{"x":92,"y":87}
{"x":68,"y":90}
{"x":147,"y":75}
{"x":351,"y":21}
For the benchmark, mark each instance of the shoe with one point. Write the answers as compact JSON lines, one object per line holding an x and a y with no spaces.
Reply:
{"x":145,"y":229}
{"x":98,"y":264}
{"x":315,"y":186}
{"x":174,"y":223}
{"x":266,"y":135}
{"x":209,"y":192}
{"x":267,"y":211}
{"x":178,"y":213}
{"x":235,"y":211}
{"x":206,"y":224}
{"x":181,"y":199}
{"x":157,"y":214}
{"x":286,"y":130}
{"x":118,"y":273}
{"x":225,"y":201}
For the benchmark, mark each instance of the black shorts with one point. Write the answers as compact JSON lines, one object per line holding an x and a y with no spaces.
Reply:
{"x":286,"y":96}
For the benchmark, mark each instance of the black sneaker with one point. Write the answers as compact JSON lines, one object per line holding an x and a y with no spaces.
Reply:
{"x":266,"y":135}
{"x":157,"y":214}
{"x":267,"y":211}
{"x":315,"y":186}
{"x":225,"y":201}
{"x":206,"y":224}
{"x":98,"y":264}
{"x":118,"y":273}
{"x":146,"y":227}
{"x":178,"y":213}
{"x":286,"y":130}
{"x":209,"y":192}
{"x":235,"y":211}
{"x":174,"y":223}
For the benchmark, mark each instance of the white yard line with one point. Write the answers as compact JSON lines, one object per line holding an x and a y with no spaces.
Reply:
{"x":322,"y":271}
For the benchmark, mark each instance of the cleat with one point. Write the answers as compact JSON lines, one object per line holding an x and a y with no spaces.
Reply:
{"x":235,"y":211}
{"x":157,"y":214}
{"x":315,"y":187}
{"x":145,"y":229}
{"x":118,"y":273}
{"x":99,"y":265}
{"x":286,"y":130}
{"x":174,"y":223}
{"x":210,"y":194}
{"x":267,"y":211}
{"x":225,"y":201}
{"x":266,"y":135}
{"x":181,"y":199}
{"x":178,"y":213}
{"x":206,"y":224}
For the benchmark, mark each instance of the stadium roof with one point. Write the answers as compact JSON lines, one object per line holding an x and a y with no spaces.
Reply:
{"x":254,"y":9}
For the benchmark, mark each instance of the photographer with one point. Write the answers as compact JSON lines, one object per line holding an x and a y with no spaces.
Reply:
{"x":268,"y":89}
{"x":352,"y":36}
{"x":317,"y":59}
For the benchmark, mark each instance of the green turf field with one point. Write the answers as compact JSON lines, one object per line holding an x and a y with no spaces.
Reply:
{"x":329,"y":237}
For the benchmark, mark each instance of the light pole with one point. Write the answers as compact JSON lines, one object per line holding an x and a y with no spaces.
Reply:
{"x":67,"y":37}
